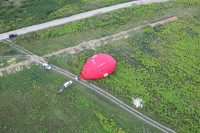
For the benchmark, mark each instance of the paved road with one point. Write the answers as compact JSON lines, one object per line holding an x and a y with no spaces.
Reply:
{"x":94,"y":88}
{"x":77,"y":17}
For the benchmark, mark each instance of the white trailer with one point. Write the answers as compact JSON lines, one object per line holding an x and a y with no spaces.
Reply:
{"x":65,"y":85}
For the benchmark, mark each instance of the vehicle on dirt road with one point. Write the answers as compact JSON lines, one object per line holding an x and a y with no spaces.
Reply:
{"x":46,"y":66}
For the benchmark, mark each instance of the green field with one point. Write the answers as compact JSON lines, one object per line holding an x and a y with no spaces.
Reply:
{"x":15,"y":14}
{"x":30,"y":103}
{"x":71,"y":34}
{"x":6,"y":50}
{"x":161,"y":65}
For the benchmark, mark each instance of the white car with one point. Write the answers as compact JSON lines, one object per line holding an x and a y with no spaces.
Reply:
{"x":67,"y":84}
{"x":46,"y":66}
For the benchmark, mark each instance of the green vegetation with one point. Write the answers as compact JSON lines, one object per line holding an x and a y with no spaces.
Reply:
{"x":30,"y":103}
{"x":8,"y":62}
{"x":108,"y":124}
{"x":6,"y":50}
{"x":71,"y":34}
{"x":159,"y":65}
{"x":15,"y":14}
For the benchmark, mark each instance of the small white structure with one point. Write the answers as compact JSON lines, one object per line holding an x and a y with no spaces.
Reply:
{"x":137,"y":102}
{"x":46,"y":66}
{"x":67,"y":84}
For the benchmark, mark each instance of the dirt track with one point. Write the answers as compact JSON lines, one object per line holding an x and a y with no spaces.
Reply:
{"x":96,"y":89}
{"x":96,"y":42}
{"x":16,"y":67}
{"x":89,"y":44}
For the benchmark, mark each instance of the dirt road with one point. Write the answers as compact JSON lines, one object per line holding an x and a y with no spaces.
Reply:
{"x":96,"y":89}
{"x":77,"y":17}
{"x":96,"y":42}
{"x":89,"y":44}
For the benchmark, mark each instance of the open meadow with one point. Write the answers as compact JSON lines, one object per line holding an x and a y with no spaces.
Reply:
{"x":160,"y":64}
{"x":30,"y":103}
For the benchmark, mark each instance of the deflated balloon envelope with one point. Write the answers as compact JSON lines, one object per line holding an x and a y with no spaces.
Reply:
{"x":98,"y":66}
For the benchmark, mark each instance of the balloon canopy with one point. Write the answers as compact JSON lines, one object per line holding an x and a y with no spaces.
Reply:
{"x":98,"y":66}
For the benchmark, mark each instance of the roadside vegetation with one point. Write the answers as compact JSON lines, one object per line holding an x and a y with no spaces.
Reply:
{"x":15,"y":14}
{"x":71,"y":34}
{"x":6,"y":50}
{"x":30,"y":103}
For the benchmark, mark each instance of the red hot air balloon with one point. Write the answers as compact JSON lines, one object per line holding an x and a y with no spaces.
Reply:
{"x":98,"y":66}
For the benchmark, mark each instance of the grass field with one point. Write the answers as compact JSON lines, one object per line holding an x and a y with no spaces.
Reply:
{"x":15,"y":14}
{"x":160,"y":65}
{"x":6,"y":50}
{"x":165,"y":63}
{"x":30,"y":103}
{"x":71,"y":34}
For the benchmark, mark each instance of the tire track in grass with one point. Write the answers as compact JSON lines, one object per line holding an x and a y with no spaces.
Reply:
{"x":96,"y":89}
{"x":97,"y":42}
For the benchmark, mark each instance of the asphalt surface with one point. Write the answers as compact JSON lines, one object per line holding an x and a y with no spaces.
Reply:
{"x":76,"y":17}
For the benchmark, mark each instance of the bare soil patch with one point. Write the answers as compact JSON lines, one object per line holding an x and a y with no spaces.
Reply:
{"x":90,"y":44}
{"x":97,"y":42}
{"x":15,"y":67}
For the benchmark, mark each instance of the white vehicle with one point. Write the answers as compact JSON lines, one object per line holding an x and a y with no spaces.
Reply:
{"x":46,"y":66}
{"x":67,"y":84}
